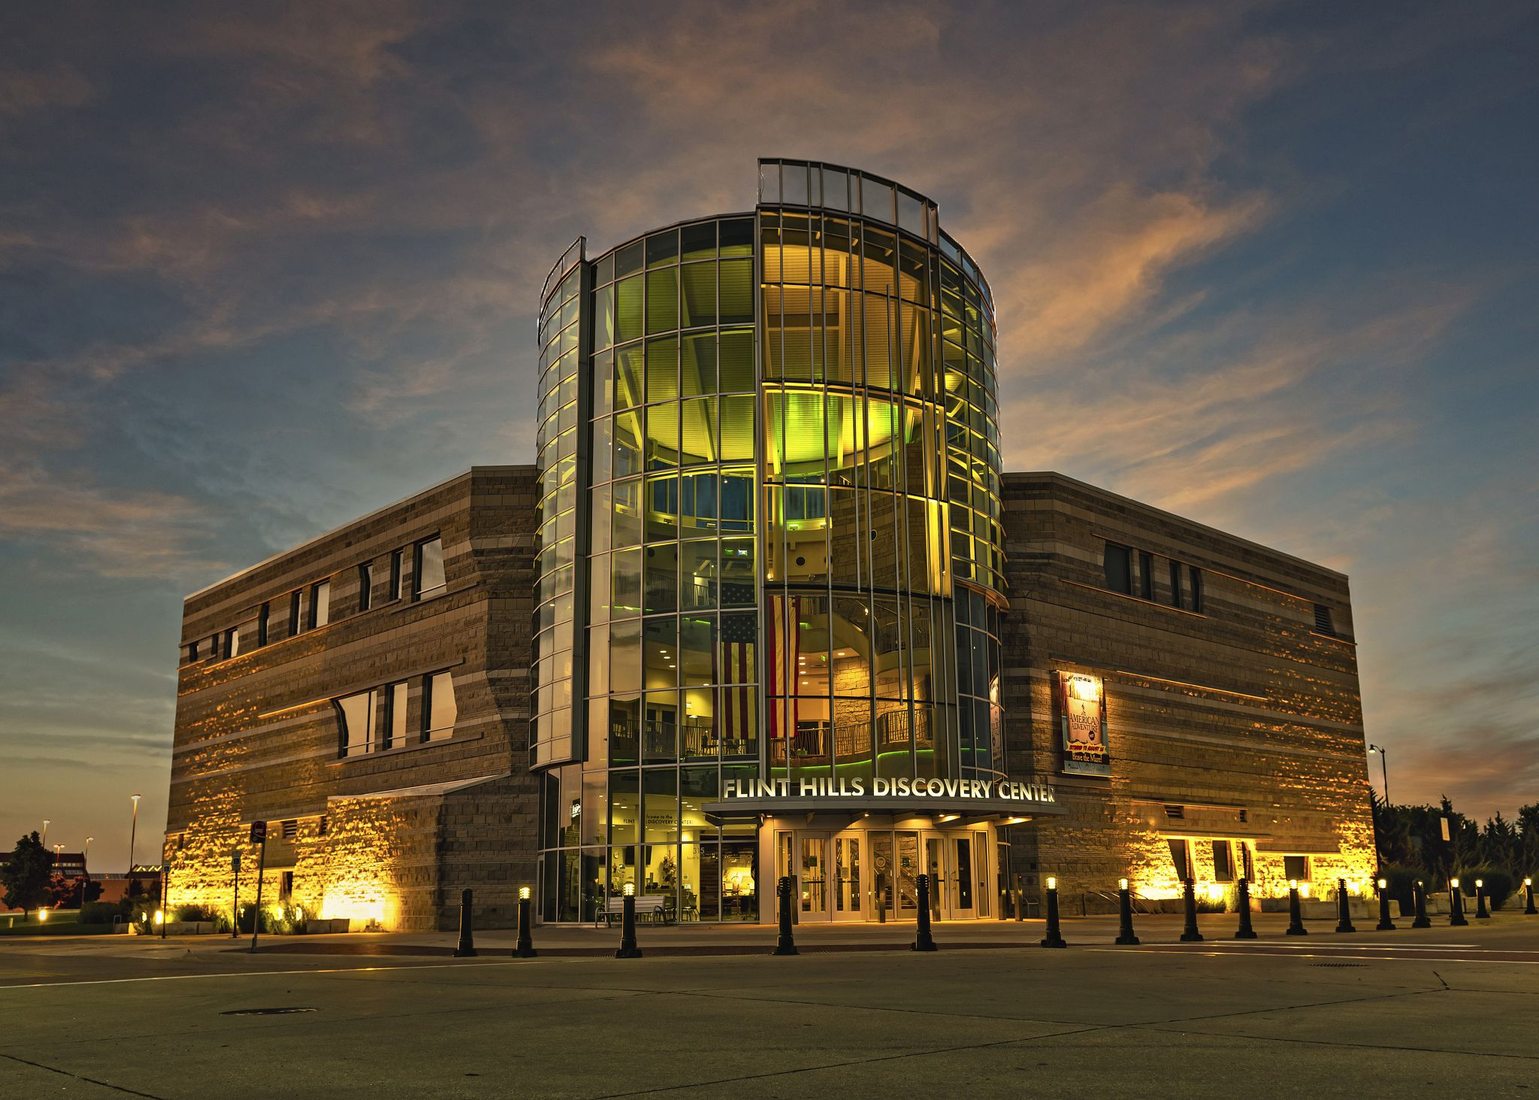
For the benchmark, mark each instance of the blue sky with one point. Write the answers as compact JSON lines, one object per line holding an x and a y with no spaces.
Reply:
{"x":266,"y":267}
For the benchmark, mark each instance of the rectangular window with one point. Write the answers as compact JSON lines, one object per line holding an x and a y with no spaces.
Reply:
{"x":1181,"y":859}
{"x":1323,"y":624}
{"x":1194,"y":575}
{"x":395,"y":575}
{"x":1119,"y":569}
{"x":320,"y":604}
{"x":1146,"y":574}
{"x":264,"y":616}
{"x":356,"y":714}
{"x":365,"y":585}
{"x":1296,"y":868}
{"x":427,"y":576}
{"x":438,"y":709}
{"x":397,"y":730}
{"x":192,"y":652}
{"x":296,"y":611}
{"x":1175,"y":584}
{"x":1223,"y":861}
{"x":215,"y":646}
{"x":232,"y":642}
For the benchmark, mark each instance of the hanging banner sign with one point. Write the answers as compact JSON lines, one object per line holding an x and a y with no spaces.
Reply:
{"x":1082,"y":719}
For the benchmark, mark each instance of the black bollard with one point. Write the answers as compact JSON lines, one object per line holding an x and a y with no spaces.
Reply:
{"x":1385,"y":924}
{"x":923,"y":941}
{"x":1245,"y":931}
{"x":467,"y":947}
{"x":1020,"y":900}
{"x":1295,"y":914}
{"x":1528,"y":888}
{"x":1189,"y":934}
{"x":525,"y":948}
{"x":628,"y":948}
{"x":785,"y":945}
{"x":1343,"y":911}
{"x":1481,"y":912}
{"x":1419,"y":902}
{"x":1125,"y":910}
{"x":1455,"y":905}
{"x":1054,"y":937}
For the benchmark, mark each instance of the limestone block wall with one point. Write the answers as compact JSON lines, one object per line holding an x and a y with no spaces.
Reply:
{"x":258,"y":735}
{"x":1235,"y":720}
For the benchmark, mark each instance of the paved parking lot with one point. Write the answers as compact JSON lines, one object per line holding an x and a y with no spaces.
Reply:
{"x":1410,"y":1011}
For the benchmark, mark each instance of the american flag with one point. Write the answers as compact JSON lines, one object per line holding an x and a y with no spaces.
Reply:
{"x":739,"y":635}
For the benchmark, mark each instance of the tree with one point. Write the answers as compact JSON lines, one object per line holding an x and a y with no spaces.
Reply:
{"x":26,"y":874}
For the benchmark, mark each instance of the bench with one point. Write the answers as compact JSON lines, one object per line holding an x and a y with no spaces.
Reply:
{"x":650,"y":906}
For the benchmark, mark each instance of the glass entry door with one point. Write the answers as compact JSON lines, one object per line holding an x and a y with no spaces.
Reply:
{"x":849,"y":876}
{"x":814,"y":875}
{"x":961,"y":884}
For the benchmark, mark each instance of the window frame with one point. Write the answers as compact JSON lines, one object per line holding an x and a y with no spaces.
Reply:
{"x":418,"y":592}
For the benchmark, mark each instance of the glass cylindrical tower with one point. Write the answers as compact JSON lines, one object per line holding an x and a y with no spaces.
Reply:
{"x":770,"y":546}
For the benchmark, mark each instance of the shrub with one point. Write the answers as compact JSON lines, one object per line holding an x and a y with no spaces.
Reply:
{"x":99,"y":912}
{"x":1498,"y":884}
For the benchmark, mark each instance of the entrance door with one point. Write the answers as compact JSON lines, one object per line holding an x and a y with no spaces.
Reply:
{"x":962,"y":888}
{"x":981,"y":879}
{"x":849,"y":875}
{"x":935,"y":866}
{"x":814,"y":874}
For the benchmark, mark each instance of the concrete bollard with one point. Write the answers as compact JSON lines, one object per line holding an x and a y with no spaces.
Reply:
{"x":1125,"y":913}
{"x":525,"y":948}
{"x":1385,"y":924}
{"x":1295,"y":914}
{"x":628,"y":948}
{"x":1190,"y":934}
{"x":1054,"y":937}
{"x":1455,"y":905}
{"x":467,"y":945}
{"x":1343,"y":910}
{"x":923,"y":940}
{"x":1245,"y":931}
{"x":786,"y":944}
{"x":1419,"y":903}
{"x":1481,"y":912}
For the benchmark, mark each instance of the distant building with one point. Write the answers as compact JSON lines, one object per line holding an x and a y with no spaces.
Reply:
{"x":766,"y":606}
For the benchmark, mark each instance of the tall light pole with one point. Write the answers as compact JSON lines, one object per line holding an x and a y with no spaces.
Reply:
{"x":85,"y":857}
{"x":45,"y":832}
{"x":1383,"y":763}
{"x":133,"y":832}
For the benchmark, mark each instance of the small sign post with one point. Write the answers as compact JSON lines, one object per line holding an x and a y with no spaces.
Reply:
{"x":235,"y":900}
{"x":258,"y":836}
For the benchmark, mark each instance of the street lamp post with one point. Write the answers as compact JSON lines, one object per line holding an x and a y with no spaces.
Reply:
{"x":1384,"y":764}
{"x":133,"y":832}
{"x":85,"y":869}
{"x":45,"y":832}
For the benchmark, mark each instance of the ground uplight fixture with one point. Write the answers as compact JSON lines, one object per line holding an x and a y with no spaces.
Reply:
{"x":523,"y":893}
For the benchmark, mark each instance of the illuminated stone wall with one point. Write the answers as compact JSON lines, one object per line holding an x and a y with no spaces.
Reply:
{"x":1236,"y":721}
{"x":258,"y":735}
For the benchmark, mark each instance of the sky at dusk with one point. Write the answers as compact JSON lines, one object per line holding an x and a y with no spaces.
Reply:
{"x":264,"y":268}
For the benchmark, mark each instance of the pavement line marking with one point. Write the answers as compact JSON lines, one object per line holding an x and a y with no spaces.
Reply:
{"x":460,"y":964}
{"x":79,"y":1077}
{"x":1212,"y":954}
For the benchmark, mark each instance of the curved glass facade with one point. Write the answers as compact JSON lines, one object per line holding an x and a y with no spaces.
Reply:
{"x":780,"y":477}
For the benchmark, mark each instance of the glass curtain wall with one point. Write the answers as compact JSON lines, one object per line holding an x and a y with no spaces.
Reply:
{"x":870,"y":661}
{"x":672,"y":612}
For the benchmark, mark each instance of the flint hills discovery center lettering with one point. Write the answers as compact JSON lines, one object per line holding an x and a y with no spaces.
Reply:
{"x":766,"y":605}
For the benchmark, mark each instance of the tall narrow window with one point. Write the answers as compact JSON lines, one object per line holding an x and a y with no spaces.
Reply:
{"x":320,"y":604}
{"x":438,"y":708}
{"x":264,"y":616}
{"x":296,"y":611}
{"x":396,"y":735}
{"x":356,"y":715}
{"x":192,"y":652}
{"x":1146,"y":574}
{"x":428,"y":568}
{"x":232,"y":642}
{"x":1223,"y":861}
{"x":395,"y":575}
{"x":1194,"y":575}
{"x":1175,"y":584}
{"x":365,"y":585}
{"x":1119,"y":569}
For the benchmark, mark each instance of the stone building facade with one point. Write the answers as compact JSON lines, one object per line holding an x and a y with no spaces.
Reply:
{"x":1233,"y":720}
{"x":367,"y":695}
